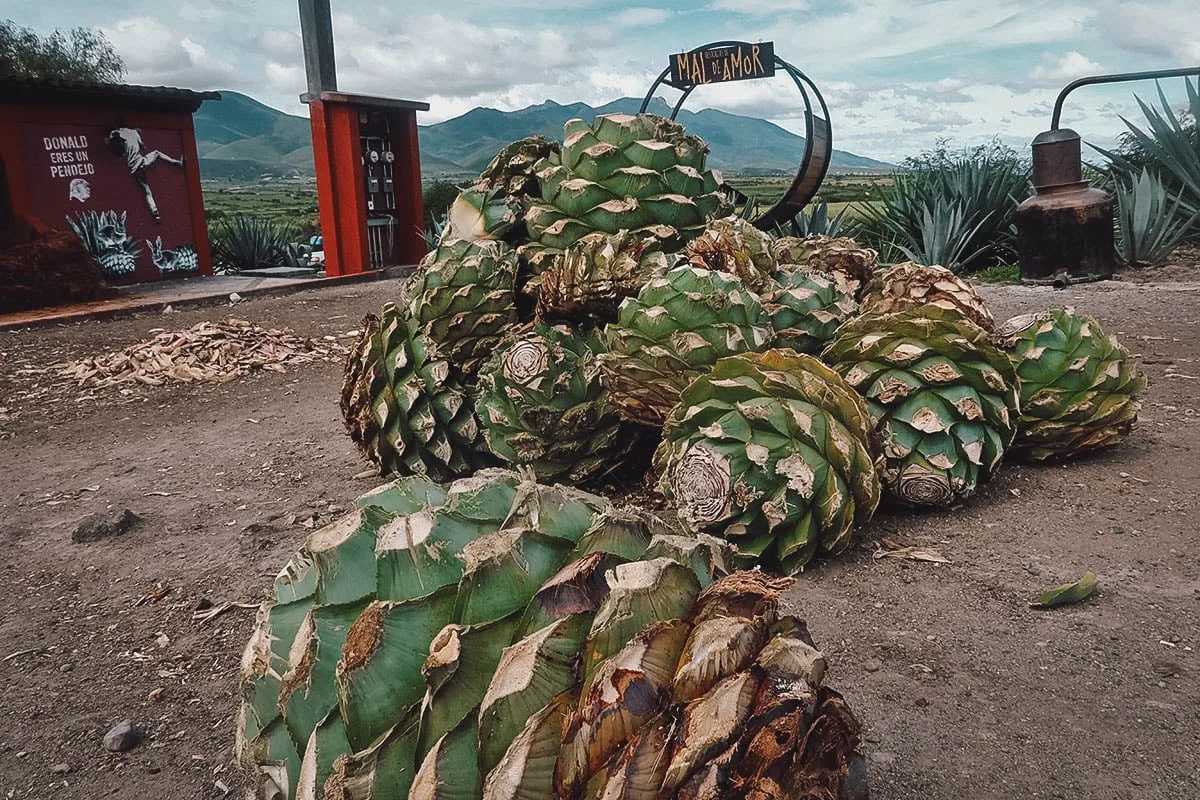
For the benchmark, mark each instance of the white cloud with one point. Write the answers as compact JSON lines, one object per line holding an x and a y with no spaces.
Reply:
{"x":1056,"y":72}
{"x":154,"y":53}
{"x":641,"y":17}
{"x":759,"y":8}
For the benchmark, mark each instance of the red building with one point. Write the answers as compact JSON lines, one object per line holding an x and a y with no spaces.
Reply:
{"x":117,"y":164}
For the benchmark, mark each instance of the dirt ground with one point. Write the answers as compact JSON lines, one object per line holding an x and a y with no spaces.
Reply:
{"x":965,"y":691}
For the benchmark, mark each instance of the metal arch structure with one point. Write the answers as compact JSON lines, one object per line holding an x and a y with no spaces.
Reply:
{"x":818,"y":139}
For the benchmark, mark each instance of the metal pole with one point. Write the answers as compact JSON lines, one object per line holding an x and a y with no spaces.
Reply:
{"x":316,"y":33}
{"x":1122,"y":77}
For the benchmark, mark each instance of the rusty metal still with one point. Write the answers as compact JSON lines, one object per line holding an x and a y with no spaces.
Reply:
{"x":1065,"y":231}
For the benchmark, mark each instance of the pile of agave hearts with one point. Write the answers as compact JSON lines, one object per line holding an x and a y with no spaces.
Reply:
{"x":588,"y":301}
{"x":479,"y":632}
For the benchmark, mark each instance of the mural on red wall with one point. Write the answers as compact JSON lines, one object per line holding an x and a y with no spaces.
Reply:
{"x":122,"y":190}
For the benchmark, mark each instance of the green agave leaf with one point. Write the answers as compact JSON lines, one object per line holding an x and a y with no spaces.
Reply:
{"x":383,"y":771}
{"x":461,"y":663}
{"x":1068,"y":593}
{"x":526,"y":772}
{"x":450,"y":771}
{"x":378,"y":678}
{"x":328,"y":741}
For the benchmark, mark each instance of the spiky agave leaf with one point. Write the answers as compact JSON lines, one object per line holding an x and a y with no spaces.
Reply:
{"x":941,"y":395}
{"x":674,"y":330}
{"x":851,"y":265}
{"x":910,"y":284}
{"x":327,"y":742}
{"x":639,"y":593}
{"x":404,"y":407}
{"x":542,"y":405}
{"x":385,"y":769}
{"x":1080,"y":390}
{"x":806,"y":308}
{"x":450,"y":770}
{"x":733,"y":245}
{"x":772,"y":451}
{"x":461,"y":662}
{"x":462,"y":299}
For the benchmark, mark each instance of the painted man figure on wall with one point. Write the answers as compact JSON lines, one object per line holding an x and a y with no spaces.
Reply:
{"x":127,"y":143}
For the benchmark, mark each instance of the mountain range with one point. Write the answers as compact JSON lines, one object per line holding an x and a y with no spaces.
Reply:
{"x":239,"y":137}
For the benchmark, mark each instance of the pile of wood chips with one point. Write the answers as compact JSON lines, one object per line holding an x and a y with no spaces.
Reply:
{"x":210,"y":351}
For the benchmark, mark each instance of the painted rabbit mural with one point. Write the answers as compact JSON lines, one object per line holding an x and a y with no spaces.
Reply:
{"x":181,"y":259}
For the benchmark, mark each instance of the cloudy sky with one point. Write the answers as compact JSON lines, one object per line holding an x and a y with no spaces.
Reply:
{"x":897,"y":73}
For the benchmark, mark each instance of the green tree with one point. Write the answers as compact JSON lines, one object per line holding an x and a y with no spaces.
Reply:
{"x":79,"y":54}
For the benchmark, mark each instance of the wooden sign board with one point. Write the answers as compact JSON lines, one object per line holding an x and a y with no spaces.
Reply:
{"x":734,"y":61}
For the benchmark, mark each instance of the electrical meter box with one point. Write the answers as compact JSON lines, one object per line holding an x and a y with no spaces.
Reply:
{"x":368,"y":181}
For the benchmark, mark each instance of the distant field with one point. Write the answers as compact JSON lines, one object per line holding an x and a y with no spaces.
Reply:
{"x":290,"y":202}
{"x":295,"y":201}
{"x":835,"y":189}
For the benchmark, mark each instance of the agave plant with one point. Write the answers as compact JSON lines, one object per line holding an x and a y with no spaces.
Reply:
{"x":954,"y":210}
{"x":1150,"y":222}
{"x":500,"y":639}
{"x":1171,"y":145}
{"x":814,"y":220}
{"x":244,"y":242}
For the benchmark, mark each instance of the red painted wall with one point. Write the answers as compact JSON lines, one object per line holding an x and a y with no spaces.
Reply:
{"x":61,"y":168}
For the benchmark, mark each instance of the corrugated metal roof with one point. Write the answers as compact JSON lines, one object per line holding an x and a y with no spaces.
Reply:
{"x":26,"y":91}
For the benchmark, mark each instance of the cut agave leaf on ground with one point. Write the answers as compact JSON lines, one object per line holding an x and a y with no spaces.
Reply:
{"x":708,"y":726}
{"x":450,"y":771}
{"x":1068,"y":593}
{"x":504,"y":570}
{"x":328,"y":741}
{"x":641,"y":592}
{"x":911,"y":553}
{"x":627,"y":691}
{"x":526,"y":772}
{"x":461,"y":663}
{"x":307,"y":690}
{"x":379,"y":675}
{"x":383,"y":771}
{"x":530,"y":674}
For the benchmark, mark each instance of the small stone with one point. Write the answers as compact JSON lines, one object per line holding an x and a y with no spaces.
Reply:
{"x":65,"y":668}
{"x":921,"y":702}
{"x":873,"y":738}
{"x":882,"y":757}
{"x":872,"y":665}
{"x":122,"y":737}
{"x":95,"y":527}
{"x":153,"y":770}
{"x":61,"y":769}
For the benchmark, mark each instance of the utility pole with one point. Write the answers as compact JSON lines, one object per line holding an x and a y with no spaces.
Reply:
{"x":316,"y":32}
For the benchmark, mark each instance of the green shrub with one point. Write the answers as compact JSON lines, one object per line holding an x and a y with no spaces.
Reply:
{"x":437,"y":197}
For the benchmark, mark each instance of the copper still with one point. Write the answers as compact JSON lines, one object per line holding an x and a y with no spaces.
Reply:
{"x":1065,"y":231}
